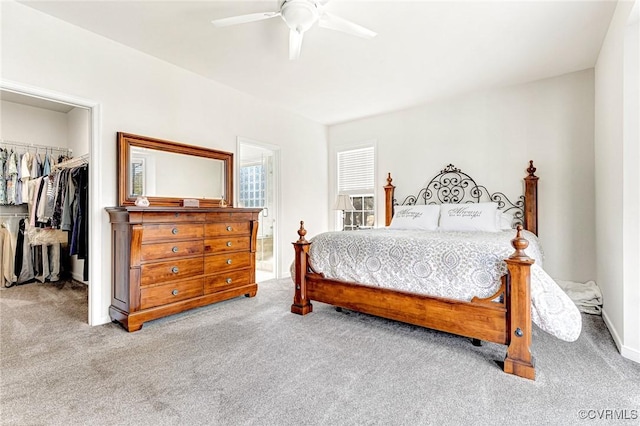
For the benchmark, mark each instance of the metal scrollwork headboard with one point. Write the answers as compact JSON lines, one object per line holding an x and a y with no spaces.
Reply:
{"x":453,"y":186}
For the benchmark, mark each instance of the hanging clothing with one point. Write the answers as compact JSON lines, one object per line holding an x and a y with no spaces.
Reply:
{"x":46,"y":167}
{"x":36,"y":166}
{"x":25,"y":176}
{"x":11,"y":176}
{"x":10,"y":224}
{"x":66,"y":221}
{"x":18,"y":199}
{"x":31,"y":246}
{"x":4,"y":157}
{"x":60,"y":200}
{"x":47,"y":262}
{"x":24,"y":254}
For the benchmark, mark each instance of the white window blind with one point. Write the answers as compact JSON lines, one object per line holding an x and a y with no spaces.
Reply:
{"x":356,"y":170}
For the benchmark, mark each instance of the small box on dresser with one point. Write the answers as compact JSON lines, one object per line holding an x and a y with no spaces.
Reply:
{"x":166,"y":260}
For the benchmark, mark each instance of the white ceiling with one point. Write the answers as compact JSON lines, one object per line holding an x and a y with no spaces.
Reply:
{"x":424,"y":50}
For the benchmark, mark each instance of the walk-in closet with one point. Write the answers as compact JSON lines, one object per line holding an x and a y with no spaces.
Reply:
{"x":44,"y":197}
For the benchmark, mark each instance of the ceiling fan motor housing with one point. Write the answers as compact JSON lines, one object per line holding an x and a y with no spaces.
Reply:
{"x":299,"y":15}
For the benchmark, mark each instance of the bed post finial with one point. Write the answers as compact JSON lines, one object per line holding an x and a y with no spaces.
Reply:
{"x":302,"y":232}
{"x":519,"y":243}
{"x":389,"y":190}
{"x":531,"y":169}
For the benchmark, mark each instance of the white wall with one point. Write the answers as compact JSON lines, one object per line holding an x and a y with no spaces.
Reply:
{"x":491,"y":136}
{"x":617,"y":188}
{"x":79,"y":131}
{"x":631,"y":176}
{"x":28,"y":124}
{"x":143,"y":95}
{"x":78,"y":139}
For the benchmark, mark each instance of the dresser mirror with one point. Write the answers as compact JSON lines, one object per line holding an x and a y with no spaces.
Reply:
{"x":167,"y":172}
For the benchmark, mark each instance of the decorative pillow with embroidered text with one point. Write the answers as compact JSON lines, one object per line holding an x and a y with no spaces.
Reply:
{"x":469,"y":217}
{"x":423,"y":217}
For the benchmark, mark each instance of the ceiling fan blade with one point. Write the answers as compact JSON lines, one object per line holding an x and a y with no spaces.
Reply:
{"x":333,"y":22}
{"x":295,"y":44}
{"x":234,"y":20}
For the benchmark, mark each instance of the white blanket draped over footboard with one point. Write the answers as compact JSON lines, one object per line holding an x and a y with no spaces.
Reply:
{"x":456,"y":265}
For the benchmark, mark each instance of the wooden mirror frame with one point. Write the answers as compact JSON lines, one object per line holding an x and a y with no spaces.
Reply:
{"x":127,"y":140}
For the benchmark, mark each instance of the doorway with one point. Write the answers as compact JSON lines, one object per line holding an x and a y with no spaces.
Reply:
{"x":257,"y":186}
{"x":50,"y":100}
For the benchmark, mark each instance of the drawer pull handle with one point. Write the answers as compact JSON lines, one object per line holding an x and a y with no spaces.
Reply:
{"x":174,"y":249}
{"x":228,"y":261}
{"x":175,"y":292}
{"x":177,"y":214}
{"x":174,"y":231}
{"x":228,"y":280}
{"x":228,"y":243}
{"x":174,"y":269}
{"x":229,"y":228}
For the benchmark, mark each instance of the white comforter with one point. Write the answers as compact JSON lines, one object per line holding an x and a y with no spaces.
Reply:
{"x":457,"y":265}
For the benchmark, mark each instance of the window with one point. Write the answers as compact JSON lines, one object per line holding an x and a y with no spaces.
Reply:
{"x":252,"y":185}
{"x":356,"y":178}
{"x":137,"y":177}
{"x":363,"y":215}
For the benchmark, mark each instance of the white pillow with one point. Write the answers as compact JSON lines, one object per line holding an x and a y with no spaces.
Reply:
{"x":424,"y":217}
{"x":469,"y":217}
{"x":504,"y":220}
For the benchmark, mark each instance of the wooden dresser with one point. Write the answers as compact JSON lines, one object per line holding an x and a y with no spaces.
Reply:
{"x":170,"y":259}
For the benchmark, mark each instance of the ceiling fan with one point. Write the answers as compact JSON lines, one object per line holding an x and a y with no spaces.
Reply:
{"x":300,"y":15}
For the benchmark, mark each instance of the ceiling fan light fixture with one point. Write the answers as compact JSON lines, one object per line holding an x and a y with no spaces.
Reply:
{"x":299,"y":15}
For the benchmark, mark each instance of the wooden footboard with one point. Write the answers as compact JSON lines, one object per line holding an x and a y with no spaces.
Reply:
{"x":505,"y":322}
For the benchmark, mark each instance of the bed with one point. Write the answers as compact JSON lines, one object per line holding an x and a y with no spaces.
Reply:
{"x":470,"y":282}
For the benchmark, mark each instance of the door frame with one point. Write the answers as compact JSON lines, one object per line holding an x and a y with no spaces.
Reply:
{"x":95,"y":316}
{"x":276,"y":191}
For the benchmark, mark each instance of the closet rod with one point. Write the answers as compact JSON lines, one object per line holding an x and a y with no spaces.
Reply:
{"x":34,"y":145}
{"x":71,"y":162}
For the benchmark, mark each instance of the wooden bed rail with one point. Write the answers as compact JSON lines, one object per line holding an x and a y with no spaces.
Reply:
{"x":506,"y":322}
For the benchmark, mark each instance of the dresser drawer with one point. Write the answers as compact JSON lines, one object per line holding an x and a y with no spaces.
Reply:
{"x":171,"y":292}
{"x":221,"y":263}
{"x":227,"y":228}
{"x":156,"y":273}
{"x":230,"y":216}
{"x":171,"y":232}
{"x":218,"y":245}
{"x":220,"y":282}
{"x":166,"y":251}
{"x":172,"y":217}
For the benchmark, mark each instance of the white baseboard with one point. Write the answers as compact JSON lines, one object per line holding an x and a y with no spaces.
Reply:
{"x":614,"y":333}
{"x":78,"y":277}
{"x":625,"y":351}
{"x":103,"y":320}
{"x":629,"y":353}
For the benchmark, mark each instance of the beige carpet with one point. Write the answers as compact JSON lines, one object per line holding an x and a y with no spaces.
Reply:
{"x":249,"y":361}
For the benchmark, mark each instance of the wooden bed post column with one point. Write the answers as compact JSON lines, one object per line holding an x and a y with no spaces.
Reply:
{"x":301,"y":305}
{"x":518,"y":299}
{"x":531,"y":200}
{"x":389,"y":189}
